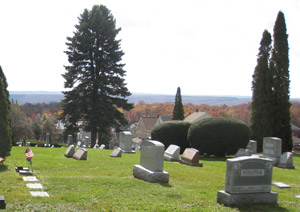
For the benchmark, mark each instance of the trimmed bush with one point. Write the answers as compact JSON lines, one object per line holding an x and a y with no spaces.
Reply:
{"x":218,"y":136}
{"x":172,"y":132}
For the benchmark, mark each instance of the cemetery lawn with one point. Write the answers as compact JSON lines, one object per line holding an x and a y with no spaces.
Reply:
{"x":103,"y":183}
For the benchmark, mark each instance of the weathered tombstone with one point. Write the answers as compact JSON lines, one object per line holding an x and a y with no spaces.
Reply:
{"x":47,"y":139}
{"x":39,"y":193}
{"x":70,"y":140}
{"x":248,"y":181}
{"x":34,"y":185}
{"x":280,"y":185}
{"x":151,"y":163}
{"x":272,"y":148}
{"x":190,"y":157}
{"x":126,"y":142}
{"x":86,"y":141}
{"x":252,"y":146}
{"x":96,"y":146}
{"x":172,"y":153}
{"x":102,"y":146}
{"x":2,"y":202}
{"x":70,"y":151}
{"x":116,"y":153}
{"x":80,"y":154}
{"x":286,"y":161}
{"x":78,"y":144}
{"x":243,"y":152}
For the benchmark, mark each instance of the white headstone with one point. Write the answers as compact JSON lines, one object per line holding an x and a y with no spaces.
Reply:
{"x":34,"y":185}
{"x":280,"y":185}
{"x":39,"y":193}
{"x":286,"y":161}
{"x":30,"y":179}
{"x":126,"y":142}
{"x":252,"y":146}
{"x":102,"y":146}
{"x":272,"y":148}
{"x":172,"y":153}
{"x":96,"y":146}
{"x":117,"y":152}
{"x":243,"y":152}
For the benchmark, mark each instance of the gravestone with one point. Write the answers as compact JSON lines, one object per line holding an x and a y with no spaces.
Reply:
{"x":70,"y":140}
{"x":21,"y":168}
{"x":286,"y":161}
{"x":34,"y":185}
{"x":39,"y":193}
{"x":272,"y":148}
{"x":117,"y":152}
{"x":248,"y":181}
{"x":126,"y":142}
{"x":25,"y":172}
{"x":86,"y":141}
{"x":102,"y":146}
{"x":243,"y":152}
{"x":280,"y":185}
{"x":2,"y":202}
{"x":30,"y":179}
{"x":80,"y":154}
{"x":96,"y":146}
{"x":190,"y":157}
{"x":252,"y":146}
{"x":151,"y":163}
{"x":70,"y":151}
{"x":78,"y":144}
{"x":172,"y":153}
{"x":47,"y":139}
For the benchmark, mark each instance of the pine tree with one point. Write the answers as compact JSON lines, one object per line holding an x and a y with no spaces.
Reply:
{"x":280,"y":67}
{"x":5,"y":132}
{"x":178,"y":111}
{"x":95,"y":77}
{"x":261,"y":119}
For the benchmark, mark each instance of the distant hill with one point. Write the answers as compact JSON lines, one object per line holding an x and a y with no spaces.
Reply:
{"x":34,"y":97}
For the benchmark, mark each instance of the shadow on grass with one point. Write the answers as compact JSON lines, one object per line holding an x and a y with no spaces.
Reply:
{"x":3,"y":168}
{"x":214,"y":159}
{"x":261,"y":208}
{"x":166,"y":185}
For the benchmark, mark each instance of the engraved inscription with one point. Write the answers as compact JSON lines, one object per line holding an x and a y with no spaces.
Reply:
{"x":252,"y":172}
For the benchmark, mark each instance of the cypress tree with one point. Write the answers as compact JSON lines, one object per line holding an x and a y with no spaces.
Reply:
{"x":178,"y":111}
{"x":261,"y":119}
{"x":94,"y":79}
{"x":5,"y":131}
{"x":281,"y":82}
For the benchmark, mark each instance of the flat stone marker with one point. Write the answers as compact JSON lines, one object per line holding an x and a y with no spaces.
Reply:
{"x":286,"y":161}
{"x":2,"y":202}
{"x":172,"y":153}
{"x":126,"y":142}
{"x":190,"y":157}
{"x":30,"y":179}
{"x":24,"y":172}
{"x":248,"y":181}
{"x":151,"y":163}
{"x":116,"y":153}
{"x":39,"y":193}
{"x":21,"y":168}
{"x":297,"y":196}
{"x":102,"y":146}
{"x":70,"y":151}
{"x":280,"y":185}
{"x":272,"y":148}
{"x":34,"y":185}
{"x":81,"y":154}
{"x":252,"y":146}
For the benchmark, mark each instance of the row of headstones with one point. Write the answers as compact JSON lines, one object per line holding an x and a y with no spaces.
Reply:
{"x":272,"y":149}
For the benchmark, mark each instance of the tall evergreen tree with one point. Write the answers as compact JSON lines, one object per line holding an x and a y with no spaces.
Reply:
{"x":178,"y":111}
{"x":5,"y":131}
{"x":261,"y":119}
{"x":95,"y":77}
{"x":281,"y":82}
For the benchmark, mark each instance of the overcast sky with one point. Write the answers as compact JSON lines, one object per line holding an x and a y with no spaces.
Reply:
{"x":207,"y":47}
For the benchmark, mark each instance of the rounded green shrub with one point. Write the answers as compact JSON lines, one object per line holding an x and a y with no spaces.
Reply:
{"x":218,"y":136}
{"x":172,"y":132}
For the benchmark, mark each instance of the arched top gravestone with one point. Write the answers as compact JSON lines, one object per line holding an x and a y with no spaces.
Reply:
{"x":152,"y":155}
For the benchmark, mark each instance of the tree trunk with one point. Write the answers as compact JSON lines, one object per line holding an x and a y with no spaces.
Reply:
{"x":93,"y":137}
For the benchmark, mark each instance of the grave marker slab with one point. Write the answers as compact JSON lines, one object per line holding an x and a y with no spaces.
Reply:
{"x":116,"y":152}
{"x":297,"y":196}
{"x":243,"y":152}
{"x":190,"y":157}
{"x":248,"y":181}
{"x":252,"y":146}
{"x":34,"y":185}
{"x":102,"y":146}
{"x":80,"y":154}
{"x":126,"y":142}
{"x":24,"y":172}
{"x":151,"y":163}
{"x":286,"y":161}
{"x":2,"y":202}
{"x":39,"y":193}
{"x":30,"y":179}
{"x":280,"y":185}
{"x":70,"y":151}
{"x":172,"y":153}
{"x":272,"y":148}
{"x":96,"y":146}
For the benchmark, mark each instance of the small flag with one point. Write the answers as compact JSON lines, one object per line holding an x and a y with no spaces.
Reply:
{"x":28,"y":153}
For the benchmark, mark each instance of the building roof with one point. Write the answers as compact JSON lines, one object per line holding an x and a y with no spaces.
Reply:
{"x":149,"y":122}
{"x":166,"y":118}
{"x":195,"y":116}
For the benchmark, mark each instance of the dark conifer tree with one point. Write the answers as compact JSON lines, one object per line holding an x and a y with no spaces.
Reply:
{"x":94,"y":79}
{"x":281,"y":98}
{"x":5,"y":131}
{"x":261,"y":119}
{"x":178,"y":111}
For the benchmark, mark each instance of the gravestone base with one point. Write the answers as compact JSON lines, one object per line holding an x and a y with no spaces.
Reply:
{"x":130,"y":151}
{"x":284,"y":166}
{"x":2,"y":202}
{"x":153,"y":177}
{"x":246,"y":199}
{"x":170,"y":158}
{"x":191,"y":164}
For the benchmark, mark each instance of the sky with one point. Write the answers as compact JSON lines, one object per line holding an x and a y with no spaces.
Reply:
{"x":206,"y":47}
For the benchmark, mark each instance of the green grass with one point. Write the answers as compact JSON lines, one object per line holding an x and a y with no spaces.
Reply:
{"x":103,"y":183}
